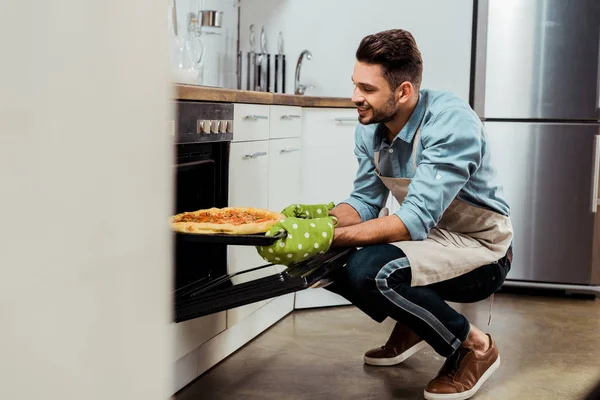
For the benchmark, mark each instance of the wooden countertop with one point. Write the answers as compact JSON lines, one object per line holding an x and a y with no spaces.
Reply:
{"x":200,"y":93}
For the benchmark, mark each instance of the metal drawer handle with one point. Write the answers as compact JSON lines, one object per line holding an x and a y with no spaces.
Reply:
{"x":596,"y":174}
{"x":254,"y":155}
{"x":289,"y":150}
{"x":254,"y":117}
{"x":346,"y":119}
{"x":290,"y":116}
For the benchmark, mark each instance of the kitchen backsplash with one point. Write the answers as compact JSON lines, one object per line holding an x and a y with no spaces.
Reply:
{"x":217,"y":45}
{"x":331,"y":35}
{"x":332,"y":29}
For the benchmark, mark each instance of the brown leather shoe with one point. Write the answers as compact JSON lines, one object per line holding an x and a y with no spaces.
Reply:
{"x":463,"y":373}
{"x":402,"y":344}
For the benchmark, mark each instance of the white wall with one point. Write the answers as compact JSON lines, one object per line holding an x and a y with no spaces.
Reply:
{"x":220,"y":44}
{"x":85,"y":194}
{"x":332,"y":30}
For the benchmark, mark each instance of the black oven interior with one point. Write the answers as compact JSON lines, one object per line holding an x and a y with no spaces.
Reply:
{"x":200,"y":183}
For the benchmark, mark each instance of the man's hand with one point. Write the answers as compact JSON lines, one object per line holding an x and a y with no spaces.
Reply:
{"x":346,"y":215}
{"x":376,"y":231}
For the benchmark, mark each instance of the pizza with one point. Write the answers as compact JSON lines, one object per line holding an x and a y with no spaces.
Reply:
{"x":228,"y":220}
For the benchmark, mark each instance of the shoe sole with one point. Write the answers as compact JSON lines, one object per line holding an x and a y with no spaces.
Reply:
{"x":469,"y":393}
{"x":386,"y":362}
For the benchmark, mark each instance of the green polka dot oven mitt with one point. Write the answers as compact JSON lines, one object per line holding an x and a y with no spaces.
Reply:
{"x":309,"y":232}
{"x":308,"y":210}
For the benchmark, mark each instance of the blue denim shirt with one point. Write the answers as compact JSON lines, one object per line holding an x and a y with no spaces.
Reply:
{"x":453,"y":161}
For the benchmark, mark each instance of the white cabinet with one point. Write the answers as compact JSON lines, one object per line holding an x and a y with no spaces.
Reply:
{"x":250,"y":122}
{"x":328,"y":171}
{"x":249,"y":174}
{"x":285,"y":173}
{"x":328,"y":161}
{"x":285,"y":162}
{"x":263,"y":173}
{"x":285,"y":122}
{"x":248,"y":187}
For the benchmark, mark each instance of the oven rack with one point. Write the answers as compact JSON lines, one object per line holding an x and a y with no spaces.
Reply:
{"x":209,"y":296}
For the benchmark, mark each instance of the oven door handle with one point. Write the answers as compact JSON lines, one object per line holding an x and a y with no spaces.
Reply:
{"x":193,"y":164}
{"x":254,"y":155}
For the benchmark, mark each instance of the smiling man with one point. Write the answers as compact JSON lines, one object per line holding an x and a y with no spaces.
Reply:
{"x":450,"y":240}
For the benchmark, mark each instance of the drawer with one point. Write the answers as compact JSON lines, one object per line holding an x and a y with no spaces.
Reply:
{"x":285,"y":121}
{"x":250,"y":122}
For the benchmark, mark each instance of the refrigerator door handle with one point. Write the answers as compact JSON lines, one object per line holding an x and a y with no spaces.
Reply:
{"x":596,"y":174}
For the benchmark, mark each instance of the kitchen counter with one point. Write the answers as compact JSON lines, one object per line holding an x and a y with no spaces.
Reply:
{"x":200,"y":93}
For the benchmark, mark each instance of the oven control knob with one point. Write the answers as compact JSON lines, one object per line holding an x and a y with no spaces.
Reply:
{"x":203,"y":126}
{"x":214,"y":126}
{"x":223,"y":126}
{"x":228,"y":126}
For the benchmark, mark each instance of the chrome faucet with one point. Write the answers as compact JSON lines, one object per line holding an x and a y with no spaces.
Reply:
{"x":299,"y":88}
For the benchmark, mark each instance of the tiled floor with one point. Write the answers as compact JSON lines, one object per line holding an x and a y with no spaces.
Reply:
{"x":550,"y":349}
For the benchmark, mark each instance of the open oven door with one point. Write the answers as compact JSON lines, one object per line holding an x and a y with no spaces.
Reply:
{"x":214,"y":294}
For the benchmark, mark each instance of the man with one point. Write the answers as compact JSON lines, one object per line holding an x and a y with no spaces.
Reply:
{"x":450,"y":240}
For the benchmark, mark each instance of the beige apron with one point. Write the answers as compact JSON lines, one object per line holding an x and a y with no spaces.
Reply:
{"x":466,"y":237}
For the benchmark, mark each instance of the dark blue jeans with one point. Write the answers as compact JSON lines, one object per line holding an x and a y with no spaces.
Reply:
{"x":377,"y":279}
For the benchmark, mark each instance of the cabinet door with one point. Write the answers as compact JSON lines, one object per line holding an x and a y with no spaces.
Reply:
{"x":249,"y":174}
{"x":285,"y":173}
{"x":285,"y":122}
{"x":328,"y":171}
{"x":250,"y":122}
{"x":248,"y":187}
{"x":328,"y":160}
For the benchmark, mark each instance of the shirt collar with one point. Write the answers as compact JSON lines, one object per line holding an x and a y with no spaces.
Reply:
{"x":410,"y":128}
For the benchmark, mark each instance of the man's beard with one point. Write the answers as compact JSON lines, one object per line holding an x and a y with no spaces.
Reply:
{"x":383,"y":114}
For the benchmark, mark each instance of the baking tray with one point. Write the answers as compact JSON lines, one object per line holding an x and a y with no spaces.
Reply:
{"x":215,"y":296}
{"x":258,"y":239}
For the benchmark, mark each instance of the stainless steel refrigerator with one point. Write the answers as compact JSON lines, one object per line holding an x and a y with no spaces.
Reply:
{"x":536,"y":86}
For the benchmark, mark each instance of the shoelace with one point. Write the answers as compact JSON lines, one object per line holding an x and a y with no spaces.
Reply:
{"x":491,"y":304}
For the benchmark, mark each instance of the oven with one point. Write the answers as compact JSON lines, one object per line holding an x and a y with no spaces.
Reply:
{"x":202,"y":137}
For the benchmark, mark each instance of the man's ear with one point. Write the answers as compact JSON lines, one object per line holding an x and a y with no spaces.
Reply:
{"x":404,"y":92}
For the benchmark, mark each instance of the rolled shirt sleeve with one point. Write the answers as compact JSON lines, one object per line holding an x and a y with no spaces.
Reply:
{"x":447,"y":160}
{"x":369,"y":194}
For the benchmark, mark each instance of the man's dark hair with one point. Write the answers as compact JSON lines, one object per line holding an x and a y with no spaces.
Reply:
{"x":397,"y":53}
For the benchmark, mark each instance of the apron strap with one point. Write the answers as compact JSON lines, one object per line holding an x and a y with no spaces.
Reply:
{"x":415,"y":143}
{"x":417,"y":138}
{"x":376,"y":159}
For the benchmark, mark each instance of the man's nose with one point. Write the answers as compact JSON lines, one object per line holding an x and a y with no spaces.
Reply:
{"x":357,"y":97}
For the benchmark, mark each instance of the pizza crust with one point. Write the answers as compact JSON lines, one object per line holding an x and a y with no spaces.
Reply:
{"x":228,"y":228}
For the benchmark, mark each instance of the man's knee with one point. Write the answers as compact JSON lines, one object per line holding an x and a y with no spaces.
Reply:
{"x":364,"y":265}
